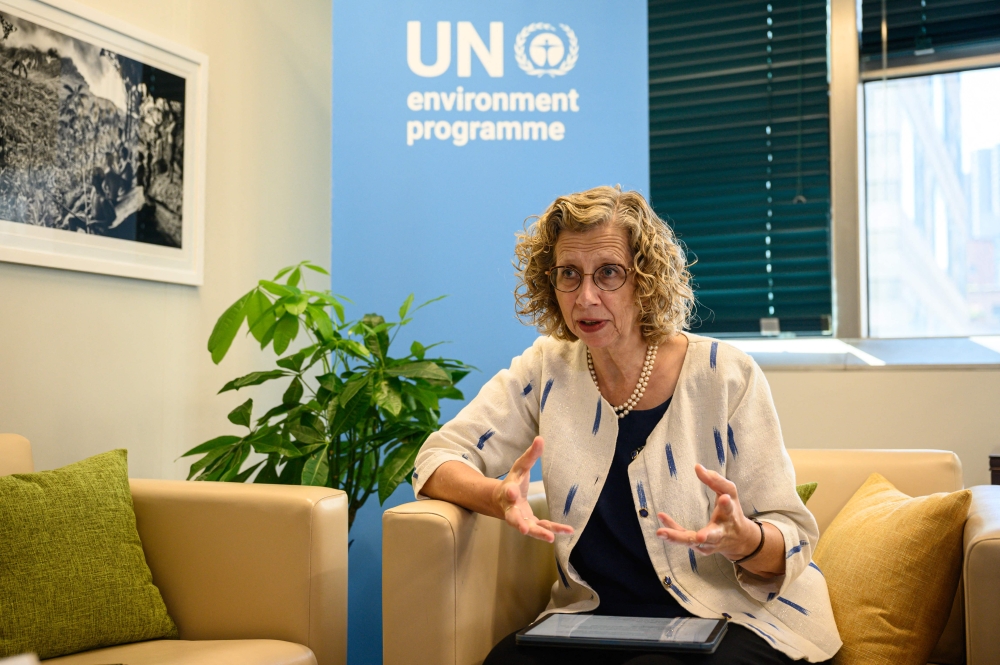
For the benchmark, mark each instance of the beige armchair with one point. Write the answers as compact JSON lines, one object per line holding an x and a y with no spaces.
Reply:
{"x":251,"y":574}
{"x":454,"y":583}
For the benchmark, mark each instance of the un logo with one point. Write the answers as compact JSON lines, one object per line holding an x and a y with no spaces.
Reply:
{"x":546,"y":53}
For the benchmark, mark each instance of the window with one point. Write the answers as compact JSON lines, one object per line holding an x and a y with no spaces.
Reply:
{"x":743,"y":166}
{"x":933,"y":183}
{"x":740,"y":157}
{"x":932,"y":167}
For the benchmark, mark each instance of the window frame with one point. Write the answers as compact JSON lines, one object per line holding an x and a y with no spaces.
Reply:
{"x":848,"y":200}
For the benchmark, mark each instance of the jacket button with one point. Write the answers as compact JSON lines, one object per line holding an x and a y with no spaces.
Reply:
{"x":644,"y":512}
{"x":666,"y":580}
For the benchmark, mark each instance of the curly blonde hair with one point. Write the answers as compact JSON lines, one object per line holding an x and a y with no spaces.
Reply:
{"x":662,"y":282}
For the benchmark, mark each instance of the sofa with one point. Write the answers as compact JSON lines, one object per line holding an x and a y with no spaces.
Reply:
{"x":454,"y":583}
{"x":251,"y":574}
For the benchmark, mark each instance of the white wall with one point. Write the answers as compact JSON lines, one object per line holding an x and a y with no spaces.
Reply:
{"x":882,"y":407}
{"x":90,"y":362}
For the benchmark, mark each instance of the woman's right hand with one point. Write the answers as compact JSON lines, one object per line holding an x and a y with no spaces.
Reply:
{"x":511,"y":497}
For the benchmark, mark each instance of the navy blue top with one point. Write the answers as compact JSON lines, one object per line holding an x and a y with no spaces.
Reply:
{"x":611,"y":554}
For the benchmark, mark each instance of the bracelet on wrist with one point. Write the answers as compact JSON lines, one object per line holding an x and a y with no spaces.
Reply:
{"x":760,"y":545}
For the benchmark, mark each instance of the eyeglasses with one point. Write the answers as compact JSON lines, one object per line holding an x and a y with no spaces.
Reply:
{"x":609,"y":277}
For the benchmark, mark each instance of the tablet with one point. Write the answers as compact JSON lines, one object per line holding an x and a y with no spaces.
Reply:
{"x":640,"y":633}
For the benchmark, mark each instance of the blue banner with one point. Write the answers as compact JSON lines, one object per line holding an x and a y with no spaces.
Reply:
{"x":453,"y":122}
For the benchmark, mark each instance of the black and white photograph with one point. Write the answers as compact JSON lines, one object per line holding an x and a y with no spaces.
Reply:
{"x":91,"y":141}
{"x":102,"y":144}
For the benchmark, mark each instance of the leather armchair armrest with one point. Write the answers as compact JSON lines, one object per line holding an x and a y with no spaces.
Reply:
{"x":455,"y":583}
{"x":982,"y":576}
{"x":236,"y":561}
{"x":15,"y":455}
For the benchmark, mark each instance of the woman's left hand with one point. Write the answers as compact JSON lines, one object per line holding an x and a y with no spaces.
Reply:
{"x":729,"y":533}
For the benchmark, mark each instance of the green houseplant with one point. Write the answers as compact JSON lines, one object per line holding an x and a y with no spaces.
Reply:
{"x":352,"y":417}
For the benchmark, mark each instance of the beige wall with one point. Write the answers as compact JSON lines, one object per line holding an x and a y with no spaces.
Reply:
{"x":90,"y":362}
{"x":955,"y":410}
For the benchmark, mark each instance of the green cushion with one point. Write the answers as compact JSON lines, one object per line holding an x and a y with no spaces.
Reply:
{"x":72,"y":572}
{"x":805,"y":491}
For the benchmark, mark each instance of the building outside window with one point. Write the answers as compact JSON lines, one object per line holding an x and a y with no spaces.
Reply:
{"x":933,"y":204}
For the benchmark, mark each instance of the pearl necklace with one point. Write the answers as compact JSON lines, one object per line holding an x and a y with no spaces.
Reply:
{"x":640,"y":387}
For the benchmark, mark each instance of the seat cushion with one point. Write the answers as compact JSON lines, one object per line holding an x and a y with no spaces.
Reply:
{"x":73,"y":575}
{"x":201,"y":652}
{"x":892,"y":565}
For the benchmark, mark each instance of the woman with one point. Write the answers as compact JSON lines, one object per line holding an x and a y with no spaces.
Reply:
{"x":680,"y":500}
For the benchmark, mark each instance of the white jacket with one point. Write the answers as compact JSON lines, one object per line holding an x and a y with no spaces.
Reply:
{"x":721,"y":416}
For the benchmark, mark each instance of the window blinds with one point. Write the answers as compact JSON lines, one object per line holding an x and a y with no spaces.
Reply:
{"x":740,"y":157}
{"x":925,"y":30}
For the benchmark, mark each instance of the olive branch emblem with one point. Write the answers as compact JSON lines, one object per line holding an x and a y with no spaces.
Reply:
{"x":525,"y":63}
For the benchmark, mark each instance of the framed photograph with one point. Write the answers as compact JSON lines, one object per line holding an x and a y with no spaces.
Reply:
{"x":102,"y":145}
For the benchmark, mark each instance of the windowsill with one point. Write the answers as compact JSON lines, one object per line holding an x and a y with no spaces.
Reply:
{"x":824,"y":353}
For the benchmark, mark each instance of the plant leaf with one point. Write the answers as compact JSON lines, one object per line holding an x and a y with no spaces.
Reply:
{"x":268,"y":335}
{"x":221,"y":466}
{"x":211,"y":457}
{"x":405,"y":306}
{"x":296,"y":305}
{"x":268,"y":475}
{"x":274,"y":442}
{"x":294,"y":392}
{"x":339,"y":309}
{"x":388,"y":398}
{"x":450,"y":393}
{"x":330,"y":300}
{"x":427,"y":398}
{"x":253,"y":379}
{"x":305,"y":433}
{"x":275,"y":411}
{"x":323,"y":397}
{"x":354,"y":348}
{"x":321,"y":321}
{"x":417,"y":350}
{"x":350,"y":413}
{"x":278,"y":289}
{"x":432,"y":300}
{"x":294,"y":361}
{"x":260,"y":314}
{"x":212,"y":444}
{"x":305,"y":451}
{"x":293,"y":279}
{"x":352,"y":387}
{"x":397,"y":467}
{"x":377,"y":340}
{"x":291,"y":473}
{"x":244,"y":475}
{"x":329,"y":381}
{"x":457,"y":375}
{"x":241,"y":414}
{"x":231,"y":470}
{"x":285,"y":332}
{"x":226,"y":328}
{"x":316,"y":268}
{"x":424,"y":369}
{"x":317,"y":469}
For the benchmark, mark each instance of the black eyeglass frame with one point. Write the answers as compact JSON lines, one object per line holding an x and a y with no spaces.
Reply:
{"x":550,"y":272}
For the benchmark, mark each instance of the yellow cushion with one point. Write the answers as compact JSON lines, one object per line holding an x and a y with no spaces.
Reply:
{"x":892,"y":564}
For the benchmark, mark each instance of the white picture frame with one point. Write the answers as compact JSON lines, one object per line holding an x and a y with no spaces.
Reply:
{"x":78,"y":212}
